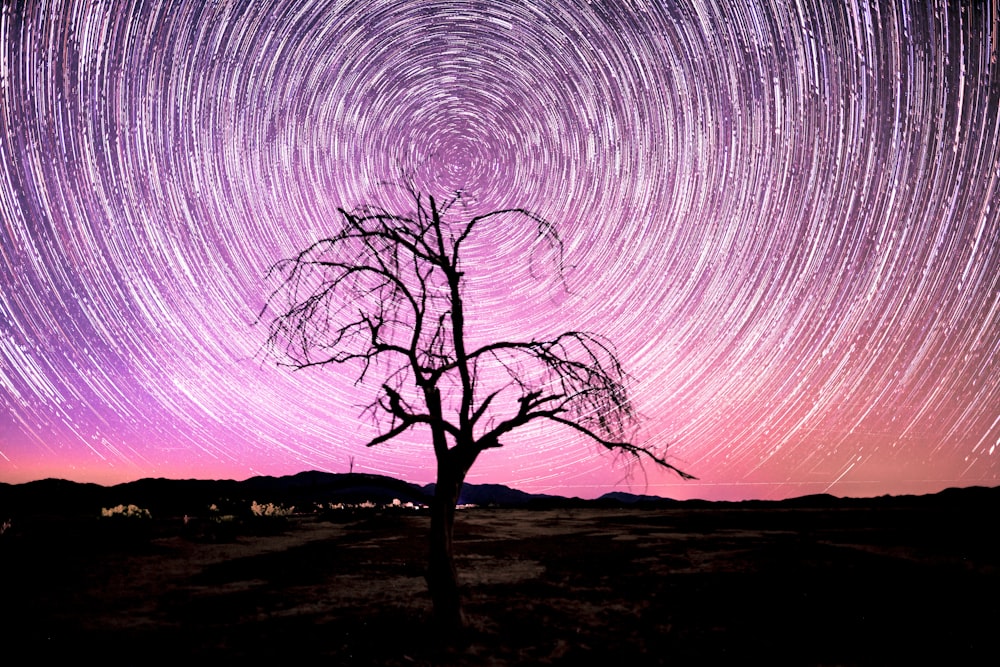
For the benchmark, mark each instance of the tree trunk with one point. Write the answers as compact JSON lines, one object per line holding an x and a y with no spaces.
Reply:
{"x":442,"y":578}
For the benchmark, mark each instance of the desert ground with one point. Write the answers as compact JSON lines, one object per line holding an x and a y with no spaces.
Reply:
{"x":572,"y":586}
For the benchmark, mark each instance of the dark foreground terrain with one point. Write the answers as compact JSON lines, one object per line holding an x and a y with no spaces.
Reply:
{"x":797,"y":586}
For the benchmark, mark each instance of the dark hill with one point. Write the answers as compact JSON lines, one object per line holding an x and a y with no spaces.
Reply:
{"x":168,"y":497}
{"x":177,"y":497}
{"x":494,"y":495}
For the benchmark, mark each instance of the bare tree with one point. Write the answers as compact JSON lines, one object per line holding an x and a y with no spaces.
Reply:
{"x":386,"y":294}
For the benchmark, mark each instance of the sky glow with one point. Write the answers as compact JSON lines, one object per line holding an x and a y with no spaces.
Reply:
{"x":786,"y":215}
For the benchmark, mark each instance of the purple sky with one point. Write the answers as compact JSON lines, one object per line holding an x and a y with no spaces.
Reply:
{"x":786,"y":216}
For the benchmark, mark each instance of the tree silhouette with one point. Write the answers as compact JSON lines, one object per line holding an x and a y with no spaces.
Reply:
{"x":386,"y":294}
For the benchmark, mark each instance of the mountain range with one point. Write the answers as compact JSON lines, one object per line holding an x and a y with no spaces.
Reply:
{"x":168,"y":497}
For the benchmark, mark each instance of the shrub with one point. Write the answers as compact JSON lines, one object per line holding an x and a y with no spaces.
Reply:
{"x":125,"y":512}
{"x":270,"y":510}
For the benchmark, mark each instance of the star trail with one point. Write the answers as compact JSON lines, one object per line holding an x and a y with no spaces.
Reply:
{"x":786,"y":215}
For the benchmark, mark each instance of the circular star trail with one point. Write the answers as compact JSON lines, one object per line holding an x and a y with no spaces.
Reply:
{"x":785,"y":215}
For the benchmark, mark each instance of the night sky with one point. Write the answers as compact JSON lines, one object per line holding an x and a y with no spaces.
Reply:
{"x":786,"y":215}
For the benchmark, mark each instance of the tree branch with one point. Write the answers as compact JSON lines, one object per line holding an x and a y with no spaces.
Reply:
{"x":388,"y":290}
{"x":629,"y":448}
